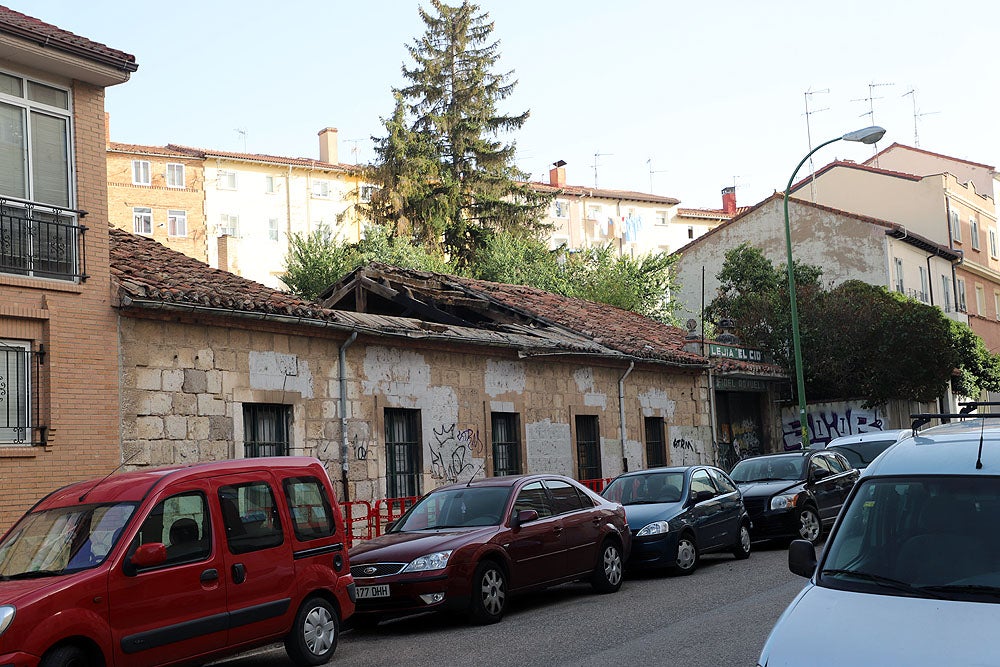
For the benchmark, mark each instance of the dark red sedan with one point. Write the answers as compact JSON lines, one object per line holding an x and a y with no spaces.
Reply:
{"x":468,"y":547}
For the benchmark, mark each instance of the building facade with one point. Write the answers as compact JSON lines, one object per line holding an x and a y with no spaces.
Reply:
{"x":58,"y":354}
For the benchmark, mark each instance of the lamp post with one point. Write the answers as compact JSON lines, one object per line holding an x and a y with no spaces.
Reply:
{"x":868,"y":135}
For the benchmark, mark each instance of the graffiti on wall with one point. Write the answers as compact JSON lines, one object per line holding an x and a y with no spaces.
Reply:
{"x":362,"y":446}
{"x":453,"y":451}
{"x":683,"y":443}
{"x":826,"y":423}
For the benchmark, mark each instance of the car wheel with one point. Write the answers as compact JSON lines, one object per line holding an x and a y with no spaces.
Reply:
{"x":809,"y":526}
{"x":314,"y":634}
{"x":65,"y":656}
{"x":608,"y":572}
{"x":489,"y":593}
{"x":687,"y":554}
{"x":741,"y":549}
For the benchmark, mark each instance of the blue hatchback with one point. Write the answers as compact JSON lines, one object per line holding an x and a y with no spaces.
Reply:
{"x":677,"y":514}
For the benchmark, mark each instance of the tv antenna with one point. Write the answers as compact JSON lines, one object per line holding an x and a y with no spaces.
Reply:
{"x":916,"y":114}
{"x":242,"y":131}
{"x":871,"y":108}
{"x":809,"y":112}
{"x":597,"y":156}
{"x":653,"y":171}
{"x":354,"y":148}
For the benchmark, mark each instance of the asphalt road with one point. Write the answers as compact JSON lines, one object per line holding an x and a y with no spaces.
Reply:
{"x":718,"y":617}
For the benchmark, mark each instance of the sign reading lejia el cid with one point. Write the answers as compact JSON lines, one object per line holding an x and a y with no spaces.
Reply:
{"x":739,"y":353}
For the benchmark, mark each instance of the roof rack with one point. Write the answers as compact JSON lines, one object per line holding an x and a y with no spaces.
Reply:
{"x":922,"y":418}
{"x":969,"y":406}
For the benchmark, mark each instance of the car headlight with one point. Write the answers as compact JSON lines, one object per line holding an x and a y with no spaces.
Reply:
{"x":435,"y":561}
{"x":6,"y":616}
{"x":784,"y":502}
{"x":655,"y":528}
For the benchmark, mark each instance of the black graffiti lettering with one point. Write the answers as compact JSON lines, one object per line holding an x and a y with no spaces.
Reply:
{"x":681,"y":443}
{"x":450,"y":450}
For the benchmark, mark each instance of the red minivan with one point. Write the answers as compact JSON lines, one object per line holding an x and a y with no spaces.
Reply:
{"x":177,"y":565}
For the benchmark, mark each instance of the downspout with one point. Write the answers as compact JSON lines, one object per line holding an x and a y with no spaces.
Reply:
{"x":343,"y":413}
{"x":712,"y":415}
{"x":621,"y":411}
{"x":930,"y":279}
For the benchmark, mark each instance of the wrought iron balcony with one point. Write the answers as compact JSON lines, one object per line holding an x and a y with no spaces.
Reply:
{"x":42,"y":240}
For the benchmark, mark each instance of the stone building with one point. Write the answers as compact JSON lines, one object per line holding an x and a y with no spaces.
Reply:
{"x":411,"y":381}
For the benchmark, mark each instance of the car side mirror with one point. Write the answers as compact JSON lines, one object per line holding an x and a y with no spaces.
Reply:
{"x":802,"y":558}
{"x":819,"y":474}
{"x":522,"y":517}
{"x":147,"y":555}
{"x":701,"y":496}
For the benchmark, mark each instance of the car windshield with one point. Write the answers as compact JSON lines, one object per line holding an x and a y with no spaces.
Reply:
{"x":769,"y":469}
{"x":653,"y":487}
{"x":860,"y":454}
{"x":928,"y":536}
{"x":456,"y":508}
{"x":61,"y":540}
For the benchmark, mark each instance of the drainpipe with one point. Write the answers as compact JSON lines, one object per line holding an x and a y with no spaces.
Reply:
{"x":343,"y":412}
{"x":621,"y":411}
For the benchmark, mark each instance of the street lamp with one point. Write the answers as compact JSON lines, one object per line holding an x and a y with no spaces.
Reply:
{"x":868,"y":135}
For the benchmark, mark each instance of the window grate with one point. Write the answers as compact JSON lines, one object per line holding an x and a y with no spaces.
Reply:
{"x":588,"y":447}
{"x":506,"y":444}
{"x":21,"y":369}
{"x":265,"y":429}
{"x":402,"y":444}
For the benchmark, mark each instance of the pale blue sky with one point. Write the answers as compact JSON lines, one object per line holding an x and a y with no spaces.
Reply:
{"x":711,"y":92}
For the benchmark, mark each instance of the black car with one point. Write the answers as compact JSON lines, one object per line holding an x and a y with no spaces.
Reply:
{"x":794,"y":495}
{"x":677,"y":514}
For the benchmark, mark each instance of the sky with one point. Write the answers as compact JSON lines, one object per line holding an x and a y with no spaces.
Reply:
{"x":676,"y":98}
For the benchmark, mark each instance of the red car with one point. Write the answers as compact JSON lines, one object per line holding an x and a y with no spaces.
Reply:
{"x":177,"y":565}
{"x":467,"y":547}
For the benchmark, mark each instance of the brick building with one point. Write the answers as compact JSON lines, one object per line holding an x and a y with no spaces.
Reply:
{"x":58,"y":353}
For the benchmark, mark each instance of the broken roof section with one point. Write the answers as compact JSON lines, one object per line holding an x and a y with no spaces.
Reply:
{"x":394,"y":303}
{"x":454,"y":300}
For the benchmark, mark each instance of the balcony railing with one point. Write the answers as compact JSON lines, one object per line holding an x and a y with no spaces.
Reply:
{"x":41,"y":240}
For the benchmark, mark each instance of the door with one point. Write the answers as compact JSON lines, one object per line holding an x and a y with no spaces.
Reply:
{"x":707,"y":515}
{"x":581,"y":525}
{"x":825,"y":488}
{"x":259,"y":568}
{"x":730,"y":504}
{"x":178,"y":609}
{"x":536,"y":548}
{"x":843,"y":480}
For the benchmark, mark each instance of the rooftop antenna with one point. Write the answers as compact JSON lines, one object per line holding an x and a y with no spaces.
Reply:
{"x":916,"y":114}
{"x":354,"y":148}
{"x":242,"y":131}
{"x":598,"y":155}
{"x":809,"y":112}
{"x":651,"y":172}
{"x":871,"y":107}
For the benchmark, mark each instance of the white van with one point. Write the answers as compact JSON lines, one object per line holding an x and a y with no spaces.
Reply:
{"x":911,"y":572}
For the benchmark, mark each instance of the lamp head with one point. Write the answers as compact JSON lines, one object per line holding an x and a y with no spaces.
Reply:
{"x":868,"y":135}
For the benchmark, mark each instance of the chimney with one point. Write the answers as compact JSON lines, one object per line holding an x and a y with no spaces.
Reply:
{"x":557,"y":174}
{"x":729,"y":200}
{"x":107,"y":128}
{"x":328,"y":145}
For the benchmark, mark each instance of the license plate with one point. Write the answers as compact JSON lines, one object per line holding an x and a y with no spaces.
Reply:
{"x":373,"y":591}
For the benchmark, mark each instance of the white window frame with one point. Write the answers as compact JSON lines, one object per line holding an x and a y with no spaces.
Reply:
{"x":21,"y":394}
{"x":174,"y":169}
{"x":595,"y":211}
{"x":974,"y":227}
{"x":660,"y":218}
{"x":900,"y":285}
{"x":923,"y":284}
{"x":269,"y":185}
{"x":962,"y":305}
{"x":141,"y":174}
{"x":993,"y":243}
{"x":229,"y":225}
{"x":142,"y":220}
{"x":226,"y":179}
{"x":321,"y":189}
{"x":177,"y":223}
{"x":956,"y":226}
{"x":30,"y":108}
{"x":946,"y":289}
{"x":980,"y":300}
{"x":273,"y":228}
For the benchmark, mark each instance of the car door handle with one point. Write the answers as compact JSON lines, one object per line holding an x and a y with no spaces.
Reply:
{"x":597,"y":520}
{"x":209,"y":575}
{"x":557,"y":530}
{"x":239,"y":573}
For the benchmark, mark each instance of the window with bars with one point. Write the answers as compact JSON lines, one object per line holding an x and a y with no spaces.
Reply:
{"x":588,"y":447}
{"x":20,"y":368}
{"x":506,"y":444}
{"x":656,"y":445}
{"x":265,"y":429}
{"x":402,"y":452}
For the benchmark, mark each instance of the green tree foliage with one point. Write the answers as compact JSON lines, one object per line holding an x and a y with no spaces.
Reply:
{"x":858,"y":341}
{"x":447,"y":176}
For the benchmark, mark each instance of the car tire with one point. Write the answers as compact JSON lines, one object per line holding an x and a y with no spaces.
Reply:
{"x":65,"y":656}
{"x":809,"y":526}
{"x":314,"y":634}
{"x":489,"y":593}
{"x":741,"y":549}
{"x":609,"y":572}
{"x":687,"y":554}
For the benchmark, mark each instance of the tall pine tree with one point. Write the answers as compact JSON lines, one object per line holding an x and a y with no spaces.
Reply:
{"x":447,"y":176}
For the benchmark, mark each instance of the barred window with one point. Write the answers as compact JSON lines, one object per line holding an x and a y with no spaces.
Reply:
{"x":265,"y":429}
{"x":15,"y":393}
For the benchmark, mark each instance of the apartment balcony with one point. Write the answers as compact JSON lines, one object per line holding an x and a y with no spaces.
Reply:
{"x":41,"y":240}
